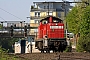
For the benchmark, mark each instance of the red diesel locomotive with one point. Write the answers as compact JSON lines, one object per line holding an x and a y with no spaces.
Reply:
{"x":51,"y":35}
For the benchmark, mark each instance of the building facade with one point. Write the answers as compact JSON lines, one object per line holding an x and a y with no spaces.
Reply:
{"x":42,"y":9}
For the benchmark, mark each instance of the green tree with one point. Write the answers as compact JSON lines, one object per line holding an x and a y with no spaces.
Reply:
{"x":78,"y":20}
{"x":85,"y":24}
{"x":84,"y":41}
{"x":74,"y":19}
{"x":0,"y":26}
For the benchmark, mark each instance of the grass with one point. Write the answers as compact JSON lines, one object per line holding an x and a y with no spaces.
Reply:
{"x":5,"y":56}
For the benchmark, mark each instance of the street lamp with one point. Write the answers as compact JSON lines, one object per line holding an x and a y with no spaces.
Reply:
{"x":21,"y":27}
{"x":2,"y":25}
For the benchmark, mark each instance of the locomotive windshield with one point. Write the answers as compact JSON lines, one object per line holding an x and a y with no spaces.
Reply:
{"x":56,"y":21}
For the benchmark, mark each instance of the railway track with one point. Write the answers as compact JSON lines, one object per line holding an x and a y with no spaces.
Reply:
{"x":55,"y":56}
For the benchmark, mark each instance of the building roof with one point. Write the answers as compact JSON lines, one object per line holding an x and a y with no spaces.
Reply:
{"x":57,"y":2}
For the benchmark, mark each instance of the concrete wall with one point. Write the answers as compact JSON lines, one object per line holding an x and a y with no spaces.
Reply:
{"x":17,"y":47}
{"x":27,"y":47}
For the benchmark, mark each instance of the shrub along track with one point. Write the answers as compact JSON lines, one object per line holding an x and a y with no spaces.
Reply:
{"x":55,"y":56}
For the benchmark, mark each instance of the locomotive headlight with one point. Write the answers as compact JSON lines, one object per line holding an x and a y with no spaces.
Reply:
{"x":56,"y":24}
{"x":45,"y":36}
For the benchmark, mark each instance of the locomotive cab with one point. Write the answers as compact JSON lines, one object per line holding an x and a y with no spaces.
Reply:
{"x":51,"y":20}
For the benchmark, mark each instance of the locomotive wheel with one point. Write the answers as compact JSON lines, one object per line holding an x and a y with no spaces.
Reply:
{"x":61,"y":47}
{"x":42,"y":51}
{"x":47,"y":51}
{"x":54,"y":50}
{"x":61,"y":50}
{"x":40,"y":45}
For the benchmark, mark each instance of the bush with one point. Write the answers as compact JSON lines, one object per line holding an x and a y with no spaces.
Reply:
{"x":4,"y":55}
{"x":84,"y":43}
{"x":69,"y":48}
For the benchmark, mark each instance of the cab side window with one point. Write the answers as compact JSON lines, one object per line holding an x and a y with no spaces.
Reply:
{"x":44,"y":22}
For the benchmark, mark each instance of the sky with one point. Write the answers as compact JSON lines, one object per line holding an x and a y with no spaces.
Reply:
{"x":17,"y":10}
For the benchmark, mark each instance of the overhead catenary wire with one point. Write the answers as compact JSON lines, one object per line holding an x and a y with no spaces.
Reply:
{"x":2,"y":18}
{"x":10,"y":13}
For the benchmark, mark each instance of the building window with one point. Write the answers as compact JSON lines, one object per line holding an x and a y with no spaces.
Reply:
{"x":50,"y":6}
{"x":47,"y":7}
{"x":59,"y":14}
{"x":37,"y":14}
{"x":36,"y":30}
{"x":44,"y":7}
{"x":36,"y":21}
{"x":50,"y":13}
